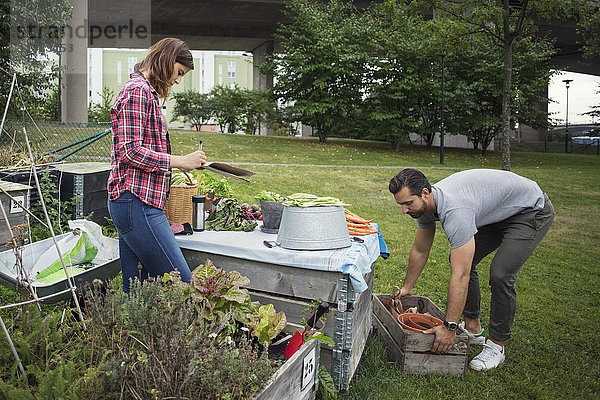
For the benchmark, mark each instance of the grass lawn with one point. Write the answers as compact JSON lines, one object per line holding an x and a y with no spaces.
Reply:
{"x":554,"y":352}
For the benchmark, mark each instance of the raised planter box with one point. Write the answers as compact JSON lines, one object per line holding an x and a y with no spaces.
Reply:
{"x":30,"y":253}
{"x":411,"y":350}
{"x":86,"y":181}
{"x":14,"y":213}
{"x":291,"y":290}
{"x":297,"y":378}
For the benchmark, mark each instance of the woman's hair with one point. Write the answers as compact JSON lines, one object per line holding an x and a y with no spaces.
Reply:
{"x":160,"y":61}
{"x":411,"y":178}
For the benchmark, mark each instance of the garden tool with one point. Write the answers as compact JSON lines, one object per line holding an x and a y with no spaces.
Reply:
{"x":225,"y":169}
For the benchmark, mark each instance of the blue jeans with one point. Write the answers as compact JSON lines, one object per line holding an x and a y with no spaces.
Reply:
{"x":145,"y":237}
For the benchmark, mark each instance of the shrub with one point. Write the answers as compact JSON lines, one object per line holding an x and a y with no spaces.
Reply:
{"x":165,"y":339}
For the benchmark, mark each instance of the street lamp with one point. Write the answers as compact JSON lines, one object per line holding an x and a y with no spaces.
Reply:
{"x":442,"y":116}
{"x":567,"y":82}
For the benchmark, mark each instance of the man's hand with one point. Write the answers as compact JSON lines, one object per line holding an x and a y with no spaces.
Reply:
{"x":444,"y":339}
{"x":404,"y":291}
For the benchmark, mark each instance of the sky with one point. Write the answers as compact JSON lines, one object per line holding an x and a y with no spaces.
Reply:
{"x":583,"y":93}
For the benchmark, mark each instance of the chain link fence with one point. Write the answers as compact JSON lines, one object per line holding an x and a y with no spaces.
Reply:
{"x":54,"y":141}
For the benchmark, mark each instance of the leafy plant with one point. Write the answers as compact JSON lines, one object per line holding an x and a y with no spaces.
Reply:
{"x":221,"y":294}
{"x":208,"y":182}
{"x":267,"y":324}
{"x":59,"y":211}
{"x":269,"y":196}
{"x":229,"y":216}
{"x":100,"y":112}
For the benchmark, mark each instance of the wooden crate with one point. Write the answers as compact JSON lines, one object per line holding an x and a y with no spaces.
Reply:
{"x":291,"y":290}
{"x":297,"y":378}
{"x":411,"y":350}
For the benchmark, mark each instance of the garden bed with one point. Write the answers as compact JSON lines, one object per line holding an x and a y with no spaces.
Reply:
{"x":297,"y":378}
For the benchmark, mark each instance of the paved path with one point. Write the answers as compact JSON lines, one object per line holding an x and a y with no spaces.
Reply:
{"x":334,"y":166}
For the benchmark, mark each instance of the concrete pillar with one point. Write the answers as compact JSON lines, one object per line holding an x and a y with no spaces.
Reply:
{"x":74,"y":96}
{"x":260,"y":54}
{"x":261,"y":81}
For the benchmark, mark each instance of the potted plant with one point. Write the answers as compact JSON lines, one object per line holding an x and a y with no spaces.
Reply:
{"x":271,"y":207}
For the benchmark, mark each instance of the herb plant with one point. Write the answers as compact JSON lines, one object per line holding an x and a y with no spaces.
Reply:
{"x":165,"y":339}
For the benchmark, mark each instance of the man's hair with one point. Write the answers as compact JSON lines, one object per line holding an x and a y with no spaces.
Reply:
{"x":411,"y":178}
{"x":160,"y":61}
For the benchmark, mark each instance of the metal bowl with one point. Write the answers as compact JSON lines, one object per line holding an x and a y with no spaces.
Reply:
{"x":313,"y":228}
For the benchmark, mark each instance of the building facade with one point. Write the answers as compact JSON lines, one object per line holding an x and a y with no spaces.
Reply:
{"x":110,"y":68}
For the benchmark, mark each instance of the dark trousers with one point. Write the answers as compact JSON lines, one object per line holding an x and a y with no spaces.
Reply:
{"x":515,"y":239}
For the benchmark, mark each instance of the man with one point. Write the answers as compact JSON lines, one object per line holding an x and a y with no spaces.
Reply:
{"x":480,"y":211}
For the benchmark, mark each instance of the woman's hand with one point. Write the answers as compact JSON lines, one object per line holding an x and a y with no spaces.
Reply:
{"x":189,"y":161}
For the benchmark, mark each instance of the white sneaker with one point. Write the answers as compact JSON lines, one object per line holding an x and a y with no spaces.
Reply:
{"x":478,"y":338}
{"x":490,"y":357}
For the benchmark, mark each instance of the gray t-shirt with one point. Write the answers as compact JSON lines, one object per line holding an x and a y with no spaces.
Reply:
{"x":470,"y":199}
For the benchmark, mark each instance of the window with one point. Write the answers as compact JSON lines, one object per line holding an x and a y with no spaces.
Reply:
{"x":119,"y":72}
{"x":131,"y":61}
{"x":231,"y":85}
{"x":231,"y":68}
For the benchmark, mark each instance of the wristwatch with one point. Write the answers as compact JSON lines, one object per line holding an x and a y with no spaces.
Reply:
{"x":450,"y":325}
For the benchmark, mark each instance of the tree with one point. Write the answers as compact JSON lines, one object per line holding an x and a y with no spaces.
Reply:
{"x":589,"y":29}
{"x":29,"y":30}
{"x":475,"y":76}
{"x":400,"y":97}
{"x":100,"y":112}
{"x":506,"y":22}
{"x":192,"y":107}
{"x":258,"y":108}
{"x":319,"y":70}
{"x":228,"y":107}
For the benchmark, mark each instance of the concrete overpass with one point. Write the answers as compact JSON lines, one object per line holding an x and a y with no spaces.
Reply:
{"x":242,"y":25}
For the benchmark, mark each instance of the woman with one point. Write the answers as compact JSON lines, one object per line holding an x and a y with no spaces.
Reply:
{"x":141,"y":162}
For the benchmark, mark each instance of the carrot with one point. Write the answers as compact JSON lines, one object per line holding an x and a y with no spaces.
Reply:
{"x":349,"y":212}
{"x":361,"y":233}
{"x":358,"y":220}
{"x":367,"y":230}
{"x":353,"y":225}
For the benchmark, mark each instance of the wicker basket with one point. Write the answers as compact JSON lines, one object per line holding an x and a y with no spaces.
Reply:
{"x":179,"y":208}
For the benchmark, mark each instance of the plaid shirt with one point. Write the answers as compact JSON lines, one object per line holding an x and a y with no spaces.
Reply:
{"x":141,"y":149}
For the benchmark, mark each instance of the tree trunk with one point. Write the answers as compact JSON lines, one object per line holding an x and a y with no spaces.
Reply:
{"x":506,"y":89}
{"x":322,"y":132}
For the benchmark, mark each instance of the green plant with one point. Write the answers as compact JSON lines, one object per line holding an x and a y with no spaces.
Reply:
{"x":208,"y":182}
{"x":165,"y":339}
{"x":100,"y":112}
{"x":269,"y":196}
{"x":59,"y":211}
{"x":172,"y":339}
{"x":228,"y":215}
{"x":267,"y":324}
{"x":109,"y":230}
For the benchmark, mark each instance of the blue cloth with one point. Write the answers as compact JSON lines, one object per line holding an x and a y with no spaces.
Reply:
{"x":383,"y":250}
